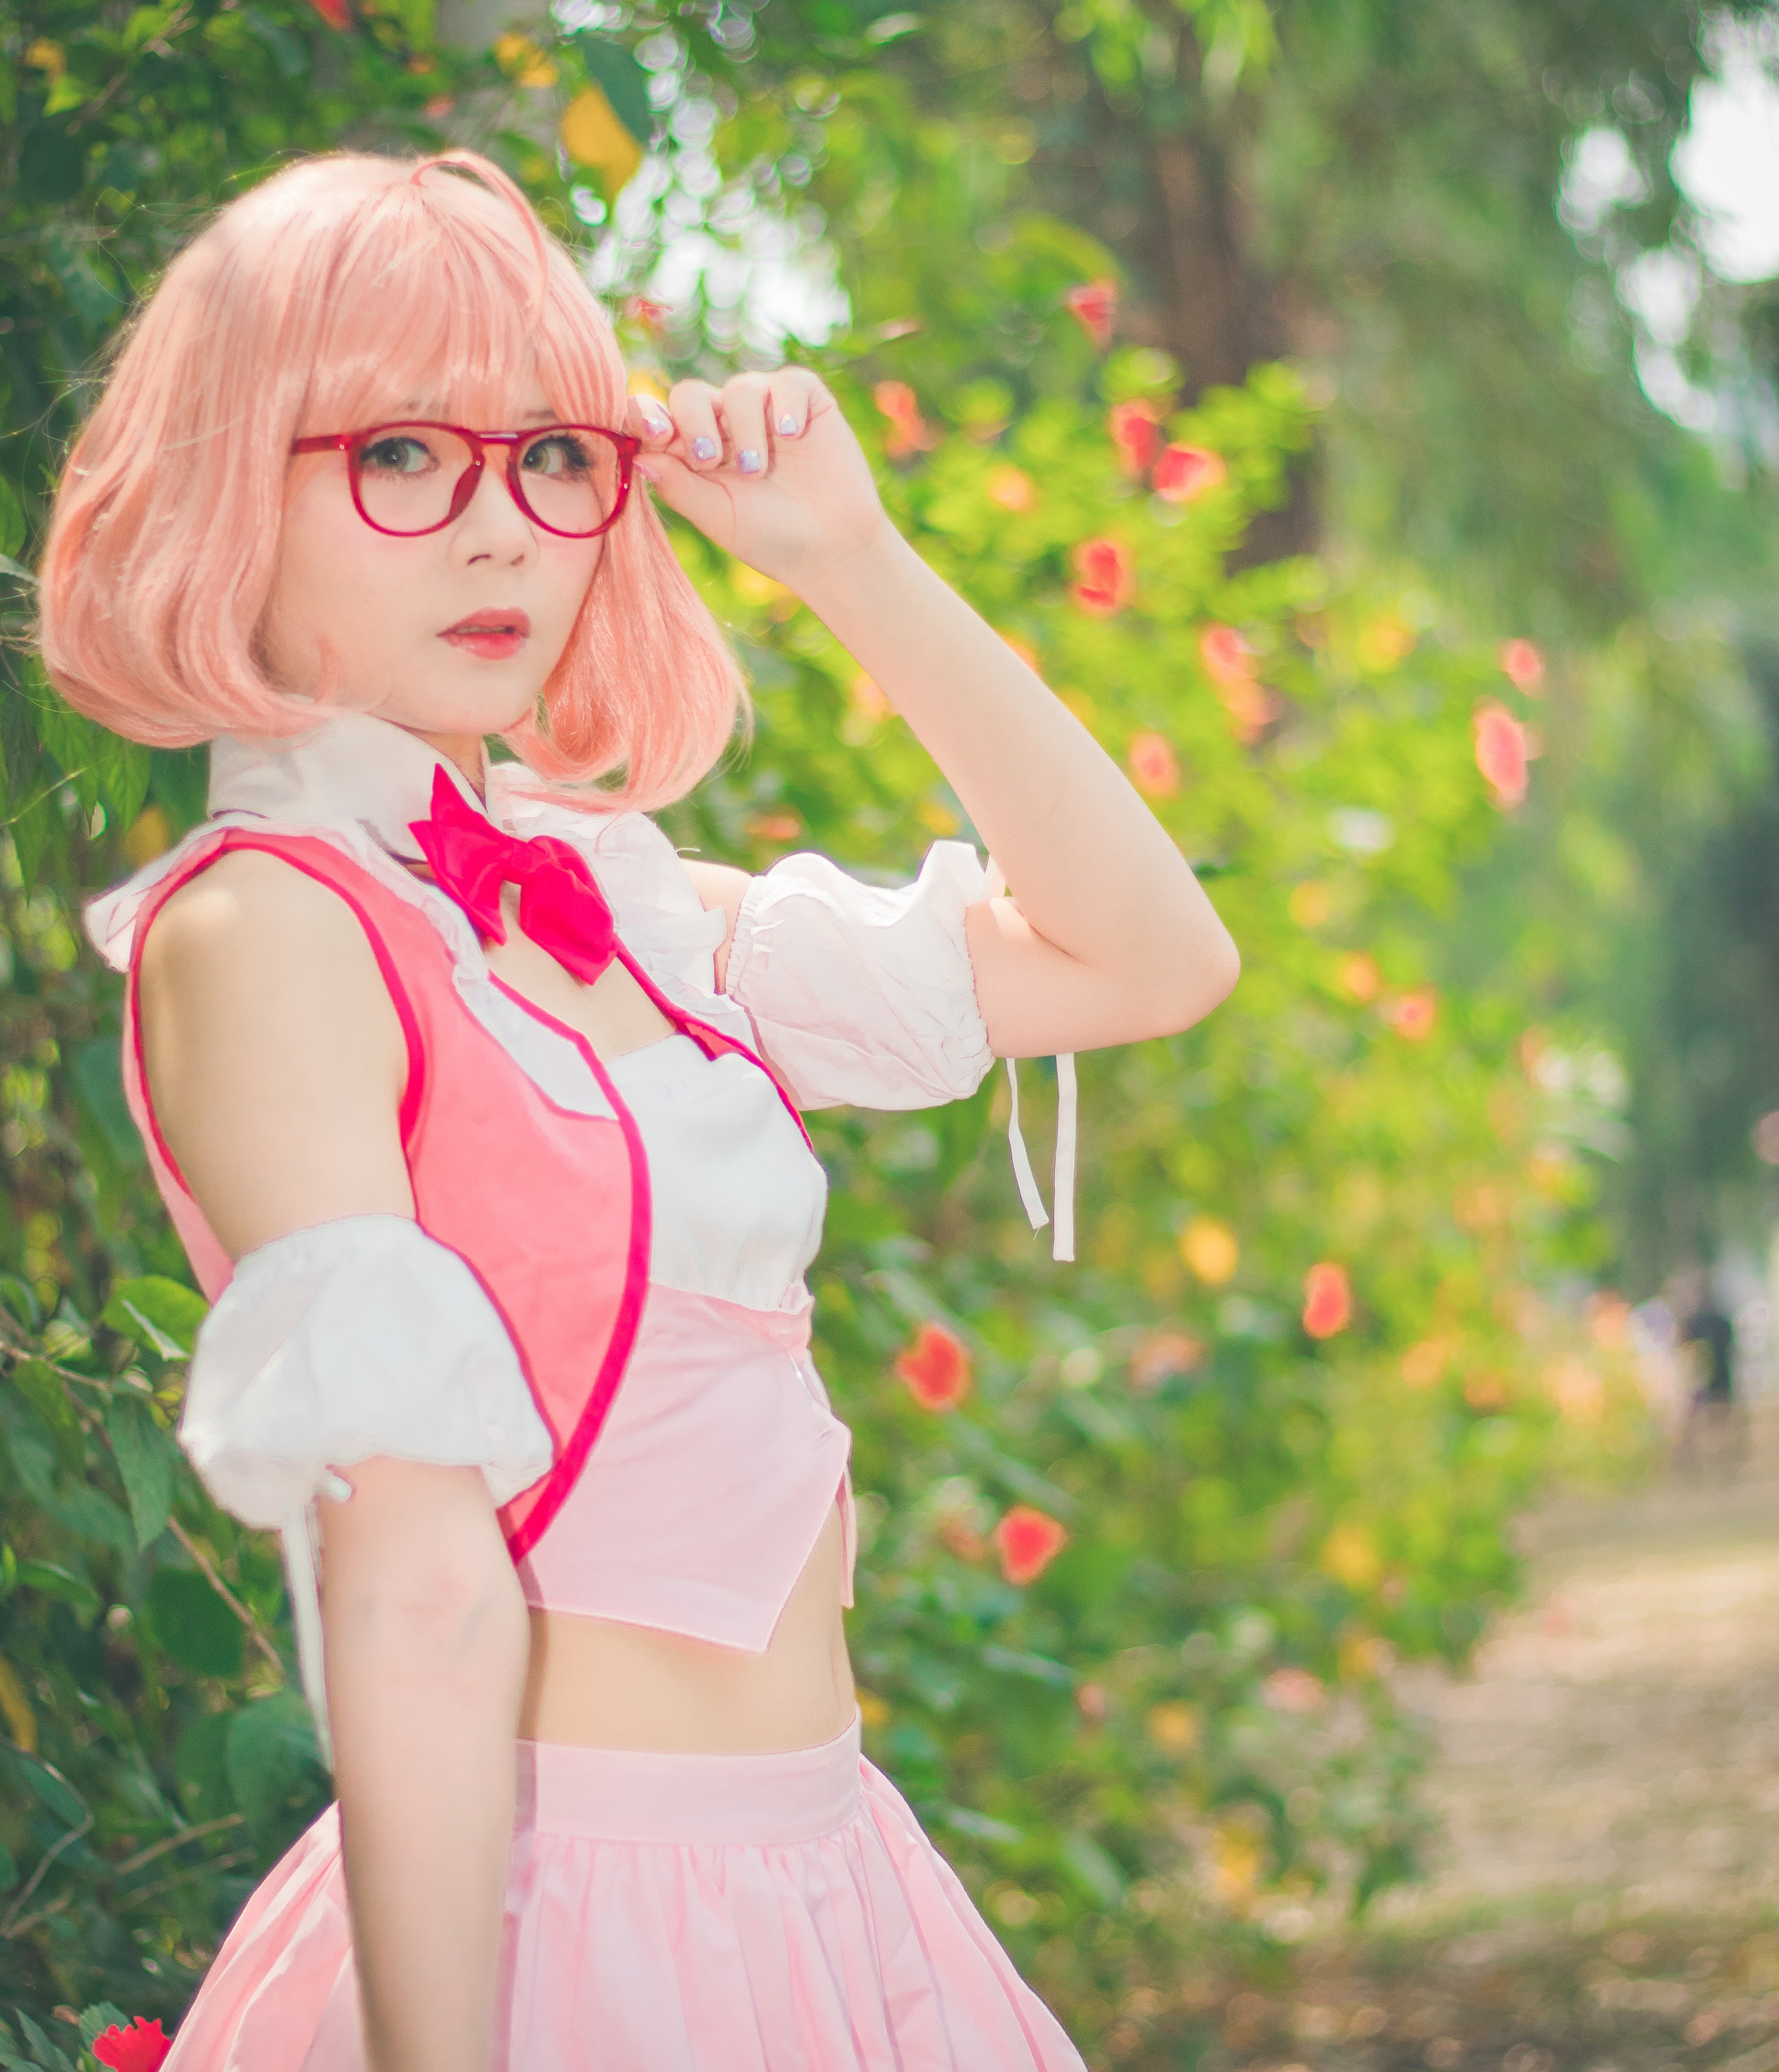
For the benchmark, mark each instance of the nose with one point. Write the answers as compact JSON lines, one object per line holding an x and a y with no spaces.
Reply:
{"x":491,"y":526}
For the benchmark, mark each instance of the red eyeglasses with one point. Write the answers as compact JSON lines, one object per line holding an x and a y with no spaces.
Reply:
{"x":416,"y":477}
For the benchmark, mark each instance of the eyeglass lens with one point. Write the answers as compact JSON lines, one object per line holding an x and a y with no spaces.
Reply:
{"x":567,"y":479}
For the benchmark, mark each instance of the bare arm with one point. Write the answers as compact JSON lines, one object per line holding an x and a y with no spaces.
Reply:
{"x":1109,"y":937}
{"x":277,"y":1065}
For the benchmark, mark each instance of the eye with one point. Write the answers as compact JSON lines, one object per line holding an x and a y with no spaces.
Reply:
{"x":400,"y":453}
{"x":563,"y":454}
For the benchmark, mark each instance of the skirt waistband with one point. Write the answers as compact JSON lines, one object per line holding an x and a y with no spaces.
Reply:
{"x":642,"y":1795}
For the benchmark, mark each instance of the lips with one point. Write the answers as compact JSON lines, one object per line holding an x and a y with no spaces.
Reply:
{"x":494,"y":635}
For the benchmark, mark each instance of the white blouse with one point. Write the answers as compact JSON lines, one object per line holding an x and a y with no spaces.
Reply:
{"x":364,"y":1337}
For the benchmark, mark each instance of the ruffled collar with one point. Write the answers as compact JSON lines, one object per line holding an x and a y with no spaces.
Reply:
{"x":353,"y":767}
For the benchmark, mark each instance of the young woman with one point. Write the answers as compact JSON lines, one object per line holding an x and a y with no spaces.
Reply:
{"x":476,"y":1108}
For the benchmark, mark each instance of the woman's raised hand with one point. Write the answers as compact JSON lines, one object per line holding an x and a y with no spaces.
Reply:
{"x":766,"y":467}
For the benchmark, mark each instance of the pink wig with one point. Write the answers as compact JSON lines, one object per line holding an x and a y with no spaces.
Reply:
{"x":314,"y":303}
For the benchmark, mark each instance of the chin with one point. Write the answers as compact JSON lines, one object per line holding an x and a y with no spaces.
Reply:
{"x":487,"y":710}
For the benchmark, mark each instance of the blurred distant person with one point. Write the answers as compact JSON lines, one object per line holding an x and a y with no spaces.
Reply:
{"x":1712,"y":1426}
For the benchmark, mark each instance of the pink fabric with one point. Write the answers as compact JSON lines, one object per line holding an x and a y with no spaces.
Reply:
{"x":714,"y":1553}
{"x":669,"y":1913}
{"x":560,"y":906}
{"x":550,"y":1210}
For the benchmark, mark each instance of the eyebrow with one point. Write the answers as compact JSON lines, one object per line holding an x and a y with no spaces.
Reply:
{"x":415,"y":407}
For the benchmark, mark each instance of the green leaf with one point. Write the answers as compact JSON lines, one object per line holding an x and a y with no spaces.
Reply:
{"x":983,"y":1826}
{"x":273,"y":1761}
{"x":1096,"y":1867}
{"x":122,"y":769}
{"x":55,"y":1581}
{"x":200,"y":1768}
{"x":290,"y":53}
{"x":72,"y":741}
{"x":9,"y":1868}
{"x":1040,"y":1669}
{"x":12,"y":525}
{"x":164,"y":1313}
{"x":41,"y":1388}
{"x":42,"y":2049}
{"x":97,"y":1071}
{"x":95,"y":301}
{"x":19,"y":742}
{"x":187,"y":1620}
{"x":58,"y":1796}
{"x":145,"y":1458}
{"x":622,"y":80}
{"x":95,"y":2021}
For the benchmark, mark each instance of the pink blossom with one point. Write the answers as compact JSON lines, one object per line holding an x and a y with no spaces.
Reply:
{"x":1184,"y":472}
{"x":1028,"y":1541}
{"x":1522,"y":664}
{"x":1094,"y":304}
{"x":1501,"y":752}
{"x":935,"y":1368}
{"x":1328,"y":1301}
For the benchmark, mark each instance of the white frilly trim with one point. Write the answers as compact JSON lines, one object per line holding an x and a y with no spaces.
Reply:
{"x":864,"y":994}
{"x":352,"y":1340}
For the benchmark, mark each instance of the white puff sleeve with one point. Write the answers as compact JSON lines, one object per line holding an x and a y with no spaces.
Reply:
{"x":355,"y":1338}
{"x":861,"y":993}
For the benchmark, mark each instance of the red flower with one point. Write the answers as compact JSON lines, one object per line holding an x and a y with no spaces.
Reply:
{"x":1229,"y":662}
{"x":1107,"y":578}
{"x":646,"y":315}
{"x":1093,"y":305}
{"x":1184,"y":472}
{"x":1328,"y":1302}
{"x":936,"y":1368}
{"x":1028,"y":1542}
{"x":1502,"y":752}
{"x":140,"y":2048}
{"x":337,"y":15}
{"x":909,"y":430}
{"x":1155,"y":770}
{"x":1523,"y":666}
{"x":1134,"y":434}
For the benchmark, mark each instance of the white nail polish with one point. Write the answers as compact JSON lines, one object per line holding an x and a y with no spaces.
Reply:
{"x":788,"y":426}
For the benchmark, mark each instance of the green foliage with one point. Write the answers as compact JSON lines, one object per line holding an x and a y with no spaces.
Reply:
{"x":1174,"y":1747}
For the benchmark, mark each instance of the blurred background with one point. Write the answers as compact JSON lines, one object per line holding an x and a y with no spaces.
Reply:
{"x":1331,"y":1623}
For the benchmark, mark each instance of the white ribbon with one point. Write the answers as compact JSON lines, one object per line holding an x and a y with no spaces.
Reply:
{"x":1062,"y":1243}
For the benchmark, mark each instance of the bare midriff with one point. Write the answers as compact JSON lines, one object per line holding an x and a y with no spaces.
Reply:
{"x":598,"y":1682}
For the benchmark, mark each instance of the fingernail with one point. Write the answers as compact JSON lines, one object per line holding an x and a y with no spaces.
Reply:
{"x":748,"y":461}
{"x":658,"y":421}
{"x":705,"y":448}
{"x":649,"y":474}
{"x":788,"y":426}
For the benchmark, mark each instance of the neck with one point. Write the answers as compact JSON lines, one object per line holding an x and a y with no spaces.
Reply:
{"x":464,"y":749}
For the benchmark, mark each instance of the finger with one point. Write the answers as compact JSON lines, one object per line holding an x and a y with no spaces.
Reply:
{"x":743,"y":406}
{"x":649,"y":419}
{"x":693,"y":406}
{"x":796,"y":396}
{"x":684,"y":486}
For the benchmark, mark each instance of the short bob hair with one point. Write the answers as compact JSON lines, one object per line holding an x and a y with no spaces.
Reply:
{"x":316,"y":302}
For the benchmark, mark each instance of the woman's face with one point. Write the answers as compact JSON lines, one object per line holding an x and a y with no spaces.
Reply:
{"x":450,"y":634}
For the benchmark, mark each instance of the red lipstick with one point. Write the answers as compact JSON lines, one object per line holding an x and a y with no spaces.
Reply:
{"x":494,"y":635}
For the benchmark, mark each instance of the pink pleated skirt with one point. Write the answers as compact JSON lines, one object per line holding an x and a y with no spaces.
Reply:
{"x":667,"y":1913}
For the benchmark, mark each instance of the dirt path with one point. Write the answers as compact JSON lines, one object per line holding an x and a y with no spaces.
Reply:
{"x":1606,"y":1897}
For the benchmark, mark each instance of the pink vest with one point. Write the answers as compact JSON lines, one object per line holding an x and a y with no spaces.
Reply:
{"x":549,"y":1209}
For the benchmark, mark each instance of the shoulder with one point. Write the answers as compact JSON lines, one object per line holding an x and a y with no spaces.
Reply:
{"x":253,"y":925}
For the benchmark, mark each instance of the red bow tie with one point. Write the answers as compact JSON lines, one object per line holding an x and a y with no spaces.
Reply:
{"x":560,"y":906}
